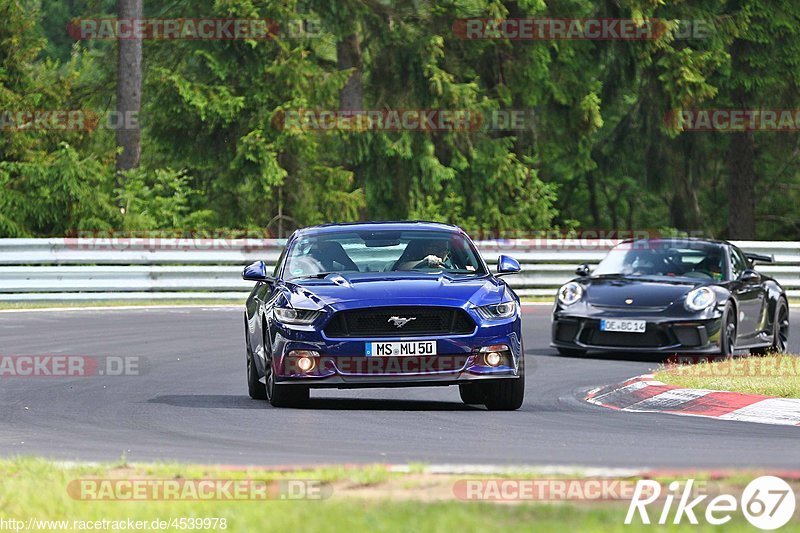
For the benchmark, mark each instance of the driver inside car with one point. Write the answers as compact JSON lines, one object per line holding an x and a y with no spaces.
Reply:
{"x":711,"y":266}
{"x":425,"y":254}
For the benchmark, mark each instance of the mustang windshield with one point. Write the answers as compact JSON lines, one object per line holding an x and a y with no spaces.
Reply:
{"x":664,"y":258}
{"x":382,"y":251}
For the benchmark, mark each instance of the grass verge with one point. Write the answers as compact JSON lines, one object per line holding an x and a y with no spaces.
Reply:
{"x":369,"y":498}
{"x":771,"y":375}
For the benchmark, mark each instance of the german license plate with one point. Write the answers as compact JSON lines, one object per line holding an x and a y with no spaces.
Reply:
{"x":625,"y":326}
{"x":414,"y":348}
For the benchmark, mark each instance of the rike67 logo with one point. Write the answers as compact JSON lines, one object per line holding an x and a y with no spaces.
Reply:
{"x":768,"y":503}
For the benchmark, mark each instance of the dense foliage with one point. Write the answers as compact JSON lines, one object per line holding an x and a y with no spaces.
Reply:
{"x":598,"y":150}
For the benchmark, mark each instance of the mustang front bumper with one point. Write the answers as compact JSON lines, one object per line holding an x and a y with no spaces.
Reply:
{"x":343,"y":363}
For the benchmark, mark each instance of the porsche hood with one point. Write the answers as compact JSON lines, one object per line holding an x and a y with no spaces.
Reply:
{"x":626,"y":292}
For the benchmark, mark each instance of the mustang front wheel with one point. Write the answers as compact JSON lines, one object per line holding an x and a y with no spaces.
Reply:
{"x":256,"y":389}
{"x":505,"y":394}
{"x":471,"y":393}
{"x":286,"y":395}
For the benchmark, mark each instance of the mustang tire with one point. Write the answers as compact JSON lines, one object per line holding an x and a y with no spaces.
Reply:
{"x":471,"y":393}
{"x":505,"y":394}
{"x":286,"y":395}
{"x":257,"y":390}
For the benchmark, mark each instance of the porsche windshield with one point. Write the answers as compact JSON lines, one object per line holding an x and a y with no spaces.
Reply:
{"x":670,"y":259}
{"x":382,"y":251}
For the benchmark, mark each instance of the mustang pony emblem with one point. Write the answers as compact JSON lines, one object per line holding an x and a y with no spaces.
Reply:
{"x":400,"y":322}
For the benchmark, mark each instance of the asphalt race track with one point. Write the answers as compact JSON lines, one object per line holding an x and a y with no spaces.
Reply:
{"x":190,"y":404}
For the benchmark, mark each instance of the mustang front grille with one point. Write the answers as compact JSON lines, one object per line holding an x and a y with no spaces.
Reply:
{"x":400,"y":322}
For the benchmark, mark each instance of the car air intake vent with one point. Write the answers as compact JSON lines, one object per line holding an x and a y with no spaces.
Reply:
{"x":400,"y":322}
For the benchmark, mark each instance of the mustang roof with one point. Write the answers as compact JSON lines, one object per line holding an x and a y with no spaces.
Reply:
{"x":377,"y":226}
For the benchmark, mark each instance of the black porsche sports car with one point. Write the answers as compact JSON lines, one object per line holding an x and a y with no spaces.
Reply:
{"x":672,"y":295}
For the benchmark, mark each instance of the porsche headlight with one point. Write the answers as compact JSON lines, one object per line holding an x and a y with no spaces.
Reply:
{"x":700,"y":298}
{"x":504,"y":310}
{"x":297,"y":317}
{"x":570,"y":293}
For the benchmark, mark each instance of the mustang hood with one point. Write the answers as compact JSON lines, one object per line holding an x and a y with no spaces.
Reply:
{"x":644,"y":293}
{"x":372,"y":289}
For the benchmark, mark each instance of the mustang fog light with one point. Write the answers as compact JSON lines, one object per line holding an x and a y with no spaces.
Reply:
{"x":493,"y":358}
{"x":303,"y":360}
{"x":495,"y":355}
{"x":305,"y":364}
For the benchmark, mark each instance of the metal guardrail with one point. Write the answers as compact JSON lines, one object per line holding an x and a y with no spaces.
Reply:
{"x":131,"y":269}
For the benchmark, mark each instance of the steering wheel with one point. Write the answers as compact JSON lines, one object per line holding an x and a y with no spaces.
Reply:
{"x":426,"y":263}
{"x":702,"y":273}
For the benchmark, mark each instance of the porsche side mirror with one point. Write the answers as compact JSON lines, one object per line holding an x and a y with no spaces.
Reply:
{"x":256,"y":272}
{"x":583,"y":270}
{"x":507,"y":265}
{"x":750,"y":276}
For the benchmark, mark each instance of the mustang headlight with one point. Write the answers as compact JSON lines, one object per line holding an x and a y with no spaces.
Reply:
{"x":504,"y":310}
{"x":570,"y":293}
{"x":297,"y":317}
{"x":700,"y":298}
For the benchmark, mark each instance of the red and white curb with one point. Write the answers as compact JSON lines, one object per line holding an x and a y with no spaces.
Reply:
{"x":643,"y":394}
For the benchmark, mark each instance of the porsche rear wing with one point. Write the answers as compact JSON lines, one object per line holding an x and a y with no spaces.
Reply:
{"x":761,"y":258}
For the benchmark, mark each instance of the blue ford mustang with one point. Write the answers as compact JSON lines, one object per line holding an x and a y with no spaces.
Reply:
{"x":381,"y":305}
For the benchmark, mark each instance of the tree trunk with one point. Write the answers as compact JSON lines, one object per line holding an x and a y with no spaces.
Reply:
{"x":741,"y":161}
{"x":742,"y":187}
{"x":129,"y":91}
{"x":351,"y":97}
{"x":687,"y":185}
{"x":594,"y":210}
{"x":348,"y":56}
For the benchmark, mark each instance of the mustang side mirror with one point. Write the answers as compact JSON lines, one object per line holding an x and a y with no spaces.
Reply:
{"x":256,"y":272}
{"x":507,"y":265}
{"x":750,"y":276}
{"x":583,"y":270}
